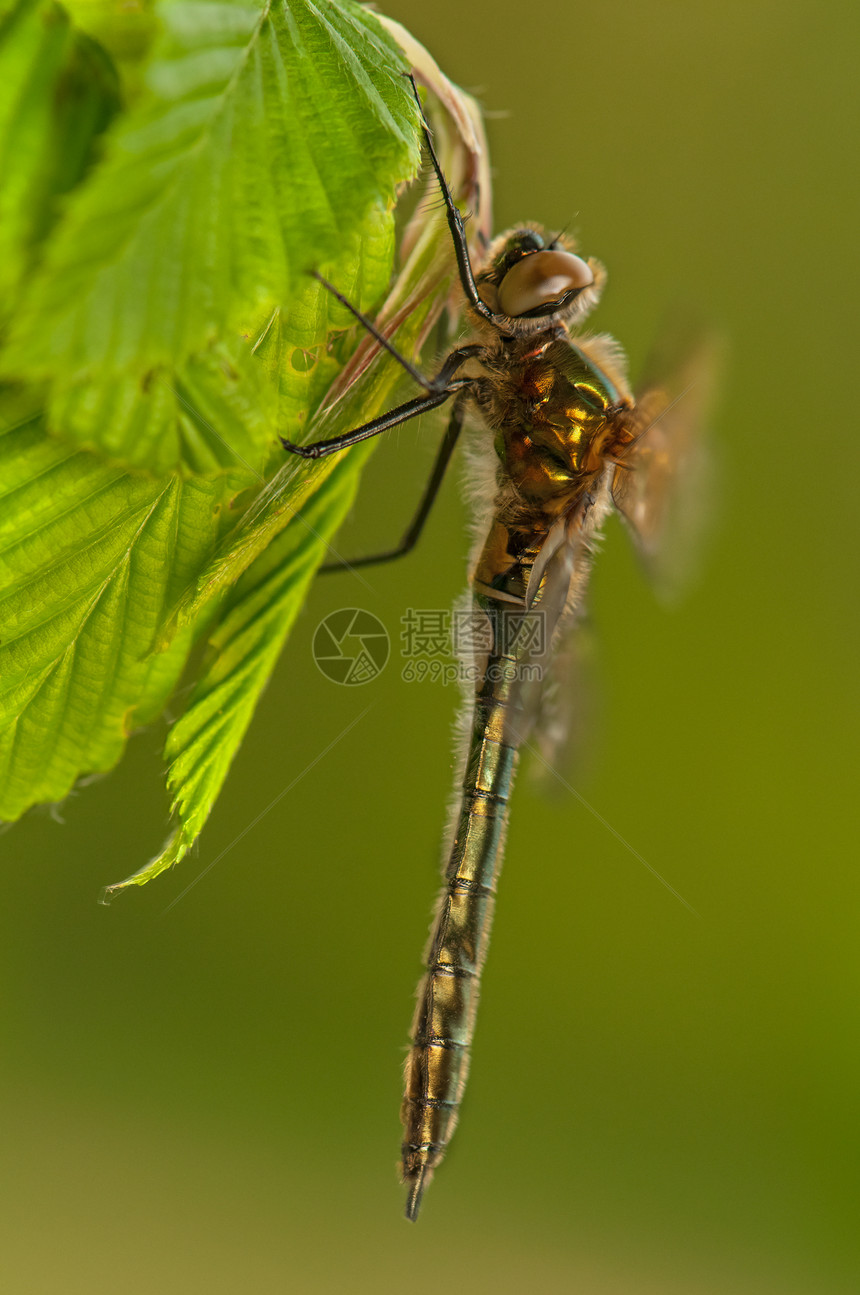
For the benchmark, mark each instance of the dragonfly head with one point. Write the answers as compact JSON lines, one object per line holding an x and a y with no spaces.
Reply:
{"x":529,"y":278}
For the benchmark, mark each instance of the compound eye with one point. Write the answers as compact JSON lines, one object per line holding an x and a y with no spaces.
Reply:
{"x":541,"y":278}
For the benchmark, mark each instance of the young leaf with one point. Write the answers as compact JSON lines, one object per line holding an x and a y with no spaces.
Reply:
{"x":269,"y":134}
{"x":92,"y":556}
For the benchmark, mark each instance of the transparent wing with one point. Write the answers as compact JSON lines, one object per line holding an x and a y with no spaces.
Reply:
{"x":561,"y":571}
{"x":567,"y":718}
{"x":662,"y":487}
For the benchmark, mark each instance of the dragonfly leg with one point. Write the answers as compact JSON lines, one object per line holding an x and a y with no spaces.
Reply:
{"x":441,"y":388}
{"x":383,"y":341}
{"x":455,"y":224}
{"x":431,"y":490}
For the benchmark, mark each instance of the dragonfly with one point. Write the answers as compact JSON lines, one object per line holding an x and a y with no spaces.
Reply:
{"x":564,"y":443}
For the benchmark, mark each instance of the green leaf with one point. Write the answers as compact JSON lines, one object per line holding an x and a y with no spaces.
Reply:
{"x":245,"y":646}
{"x":90,"y":558}
{"x":217,"y":413}
{"x":223,"y":408}
{"x":270,"y":136}
{"x":58,"y":91}
{"x":93,"y":556}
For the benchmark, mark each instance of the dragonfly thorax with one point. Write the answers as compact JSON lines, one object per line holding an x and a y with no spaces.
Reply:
{"x":556,"y":417}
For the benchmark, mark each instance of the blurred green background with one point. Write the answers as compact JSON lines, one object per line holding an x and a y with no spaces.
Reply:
{"x":205,"y":1099}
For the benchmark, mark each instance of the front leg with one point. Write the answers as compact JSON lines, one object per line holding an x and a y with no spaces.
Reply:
{"x":440,"y":388}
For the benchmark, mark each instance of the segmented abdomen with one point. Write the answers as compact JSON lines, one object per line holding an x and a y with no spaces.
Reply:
{"x":448,"y":995}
